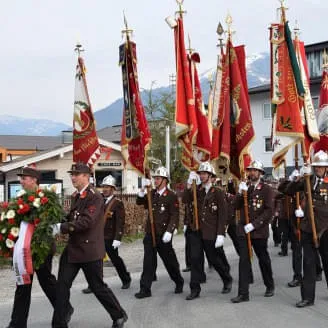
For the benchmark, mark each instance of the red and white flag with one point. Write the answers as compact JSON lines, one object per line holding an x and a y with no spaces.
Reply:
{"x":86,"y":147}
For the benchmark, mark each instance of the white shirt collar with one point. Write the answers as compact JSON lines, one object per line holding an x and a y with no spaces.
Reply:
{"x":83,"y":189}
{"x":160,"y":192}
{"x":208,"y":186}
{"x":109,"y":199}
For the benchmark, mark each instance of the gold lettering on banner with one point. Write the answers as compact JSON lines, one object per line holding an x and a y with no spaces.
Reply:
{"x":89,"y":143}
{"x":243,"y":131}
{"x":292,"y":97}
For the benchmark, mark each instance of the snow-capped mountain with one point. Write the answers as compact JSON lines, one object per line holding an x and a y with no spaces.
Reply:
{"x":37,"y":127}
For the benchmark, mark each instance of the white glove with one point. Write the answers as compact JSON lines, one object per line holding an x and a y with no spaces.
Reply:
{"x":299,"y":213}
{"x":145,"y":183}
{"x":219,"y":241}
{"x":55,"y":229}
{"x":249,"y":227}
{"x":167,"y":237}
{"x":307,"y":169}
{"x":193,"y":176}
{"x":116,"y":244}
{"x":242,"y":187}
{"x":294,"y":175}
{"x":184,"y":229}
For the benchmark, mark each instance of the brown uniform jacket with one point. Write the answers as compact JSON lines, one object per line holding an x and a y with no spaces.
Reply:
{"x":114,"y":220}
{"x":260,"y":210}
{"x":165,"y":211}
{"x":320,"y":204}
{"x":85,"y":226}
{"x":212,"y":211}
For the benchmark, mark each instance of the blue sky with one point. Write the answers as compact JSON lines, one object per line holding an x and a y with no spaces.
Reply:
{"x":37,"y":61}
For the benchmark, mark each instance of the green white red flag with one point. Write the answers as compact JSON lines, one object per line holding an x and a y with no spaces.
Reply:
{"x":135,"y":137}
{"x":311,"y":132}
{"x":286,"y":93}
{"x":86,"y":147}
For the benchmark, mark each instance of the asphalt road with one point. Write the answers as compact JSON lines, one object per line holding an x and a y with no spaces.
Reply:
{"x":166,"y":309}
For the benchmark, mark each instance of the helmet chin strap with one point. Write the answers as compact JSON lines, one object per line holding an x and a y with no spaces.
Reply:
{"x":207,"y":180}
{"x":159,"y":187}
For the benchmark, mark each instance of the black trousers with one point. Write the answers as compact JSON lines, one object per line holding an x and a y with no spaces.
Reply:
{"x":93,"y":272}
{"x":215,"y":256}
{"x":275,"y":231}
{"x":117,"y":261}
{"x":187,"y":248}
{"x":22,"y":300}
{"x":232,"y":232}
{"x":296,"y":255}
{"x":168,"y":256}
{"x":310,"y":265}
{"x":284,"y":230}
{"x":197,"y":273}
{"x":260,"y":247}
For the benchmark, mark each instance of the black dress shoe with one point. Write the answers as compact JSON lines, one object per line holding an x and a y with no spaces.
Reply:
{"x":126,"y":285}
{"x":294,"y":283}
{"x":227,"y":288}
{"x":319,"y":277}
{"x":269,"y":292}
{"x":187,"y":269}
{"x":179,"y":288}
{"x":143,"y":294}
{"x":240,"y":298}
{"x":282,"y":253}
{"x":119,"y":323}
{"x":304,"y":303}
{"x":193,"y":294}
{"x":87,"y":290}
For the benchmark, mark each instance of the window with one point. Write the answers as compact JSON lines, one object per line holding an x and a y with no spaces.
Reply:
{"x":267,"y":112}
{"x":268,"y":144}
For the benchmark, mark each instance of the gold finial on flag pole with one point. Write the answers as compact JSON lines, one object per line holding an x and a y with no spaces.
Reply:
{"x":180,"y":11}
{"x":325,"y":59}
{"x":78,"y":48}
{"x":296,"y":30}
{"x":126,"y":31}
{"x":229,"y":21}
{"x":190,"y":50}
{"x":283,"y":9}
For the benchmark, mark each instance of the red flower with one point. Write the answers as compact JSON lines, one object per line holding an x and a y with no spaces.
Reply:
{"x":44,"y":200}
{"x":24,"y":209}
{"x":5,"y":205}
{"x":36,"y":221}
{"x":11,"y":237}
{"x":11,"y":221}
{"x":31,"y":198}
{"x":20,"y":201}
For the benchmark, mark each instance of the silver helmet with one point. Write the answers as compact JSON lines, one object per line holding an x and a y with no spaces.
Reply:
{"x":320,"y":159}
{"x":162,"y":172}
{"x":257,"y":165}
{"x":206,"y":167}
{"x":109,"y":181}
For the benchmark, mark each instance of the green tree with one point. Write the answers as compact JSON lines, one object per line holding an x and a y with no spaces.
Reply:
{"x":160,"y":111}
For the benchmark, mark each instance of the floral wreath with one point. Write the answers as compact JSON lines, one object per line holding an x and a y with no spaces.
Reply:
{"x":40,"y":208}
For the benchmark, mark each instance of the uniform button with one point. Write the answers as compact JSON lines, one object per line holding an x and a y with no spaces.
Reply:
{"x":87,"y":241}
